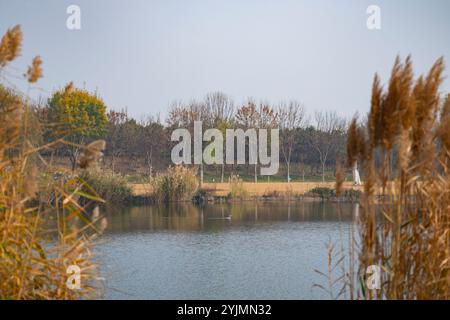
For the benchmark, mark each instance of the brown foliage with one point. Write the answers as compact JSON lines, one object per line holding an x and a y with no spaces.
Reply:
{"x":340,"y":178}
{"x":408,"y":233}
{"x":34,"y":257}
{"x":10,"y":45}
{"x":34,"y":72}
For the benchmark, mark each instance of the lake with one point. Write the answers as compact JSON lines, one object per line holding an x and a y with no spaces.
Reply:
{"x":248,"y":250}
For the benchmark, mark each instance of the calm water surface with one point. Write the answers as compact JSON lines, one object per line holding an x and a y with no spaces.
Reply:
{"x":221,"y":251}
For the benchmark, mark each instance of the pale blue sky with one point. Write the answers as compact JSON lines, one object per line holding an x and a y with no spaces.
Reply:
{"x":144,"y":54}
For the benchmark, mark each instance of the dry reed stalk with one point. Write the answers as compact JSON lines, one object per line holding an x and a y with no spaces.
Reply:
{"x":340,"y":178}
{"x":408,"y":233}
{"x":34,"y":259}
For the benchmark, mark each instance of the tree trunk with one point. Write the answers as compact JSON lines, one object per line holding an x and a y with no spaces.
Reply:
{"x":256,"y":173}
{"x":201,"y":175}
{"x":323,"y":171}
{"x":223,"y":172}
{"x":73,"y":158}
{"x":74,"y":154}
{"x":149,"y":160}
{"x":288,"y":165}
{"x":112,"y":162}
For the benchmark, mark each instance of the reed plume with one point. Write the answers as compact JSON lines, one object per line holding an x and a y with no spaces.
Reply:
{"x":34,"y":253}
{"x":10,"y":45}
{"x":352,"y":143}
{"x":34,"y":72}
{"x":444,"y":133}
{"x":92,"y":153}
{"x":374,"y":125}
{"x":405,"y":229}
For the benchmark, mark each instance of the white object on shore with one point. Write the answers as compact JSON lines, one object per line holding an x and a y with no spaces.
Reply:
{"x":356,"y":177}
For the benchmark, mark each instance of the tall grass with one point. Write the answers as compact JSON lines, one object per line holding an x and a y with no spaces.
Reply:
{"x":178,"y":183}
{"x":407,"y":233}
{"x":237,"y":189}
{"x":111,"y":187}
{"x":34,"y":258}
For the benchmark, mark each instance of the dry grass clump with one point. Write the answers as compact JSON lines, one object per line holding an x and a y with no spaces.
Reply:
{"x":237,"y":189}
{"x":34,"y":257}
{"x":178,"y":183}
{"x":111,"y":187}
{"x":408,"y":236}
{"x":92,"y":153}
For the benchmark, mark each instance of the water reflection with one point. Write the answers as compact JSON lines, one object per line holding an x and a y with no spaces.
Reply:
{"x":188,"y":217}
{"x":242,"y":250}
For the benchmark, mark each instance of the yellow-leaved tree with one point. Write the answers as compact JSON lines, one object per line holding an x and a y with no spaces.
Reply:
{"x":77,"y":116}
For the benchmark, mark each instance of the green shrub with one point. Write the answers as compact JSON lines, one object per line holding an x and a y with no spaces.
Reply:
{"x":352,"y":195}
{"x":200,"y":196}
{"x":324,"y":193}
{"x":176,"y":184}
{"x":328,"y":193}
{"x":113,"y":188}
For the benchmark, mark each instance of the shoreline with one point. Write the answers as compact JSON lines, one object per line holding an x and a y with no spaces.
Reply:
{"x":261,"y":192}
{"x":254,"y":189}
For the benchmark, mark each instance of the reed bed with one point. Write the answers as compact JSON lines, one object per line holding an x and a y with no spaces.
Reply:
{"x":36,"y":259}
{"x":404,"y":149}
{"x":178,"y":183}
{"x":237,"y":189}
{"x":112,"y":187}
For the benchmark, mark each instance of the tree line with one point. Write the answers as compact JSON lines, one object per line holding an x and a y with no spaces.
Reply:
{"x":309,"y":144}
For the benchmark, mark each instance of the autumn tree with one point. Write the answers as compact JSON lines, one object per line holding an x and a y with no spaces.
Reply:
{"x":252,"y":116}
{"x":115,"y":127}
{"x":291,"y":118}
{"x":77,"y":116}
{"x":220,"y":110}
{"x":326,"y":138}
{"x":184,"y":115}
{"x":268,"y":119}
{"x":247,"y":117}
{"x":219,"y":106}
{"x":154,"y":139}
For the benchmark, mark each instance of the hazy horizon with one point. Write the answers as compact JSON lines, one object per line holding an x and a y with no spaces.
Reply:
{"x":142,"y":55}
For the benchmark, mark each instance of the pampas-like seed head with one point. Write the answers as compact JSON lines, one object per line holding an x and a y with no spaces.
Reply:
{"x":352,"y":143}
{"x":375,"y":112}
{"x":34,"y":72}
{"x":92,"y":153}
{"x":10,"y":45}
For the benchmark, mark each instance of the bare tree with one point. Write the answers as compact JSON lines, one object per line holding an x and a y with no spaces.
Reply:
{"x":268,"y":119}
{"x":219,"y":106}
{"x":184,"y":116}
{"x":329,"y":128}
{"x":116,"y":119}
{"x":220,"y":109}
{"x":248,"y":117}
{"x":153,"y":139}
{"x":291,"y":117}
